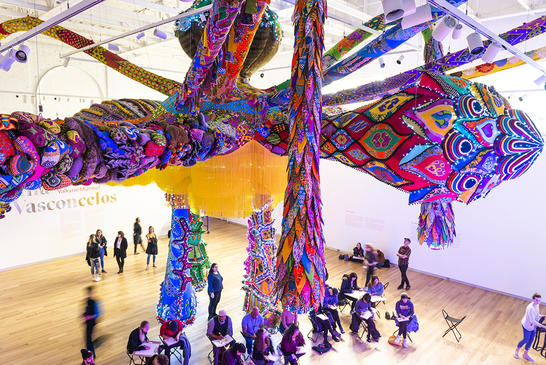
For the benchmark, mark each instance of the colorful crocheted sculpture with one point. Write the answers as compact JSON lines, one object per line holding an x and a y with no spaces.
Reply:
{"x":259,"y":280}
{"x":198,"y":255}
{"x":177,"y":297}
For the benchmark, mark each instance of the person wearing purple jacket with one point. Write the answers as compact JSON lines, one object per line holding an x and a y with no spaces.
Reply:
{"x":363,"y":308}
{"x":404,"y":312}
{"x":330,"y":306}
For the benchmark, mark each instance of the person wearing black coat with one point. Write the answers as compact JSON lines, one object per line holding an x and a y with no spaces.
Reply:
{"x":102,"y":246}
{"x":138,"y":337}
{"x":93,"y":257}
{"x":120,"y":250}
{"x":137,"y":235}
{"x":151,"y":249}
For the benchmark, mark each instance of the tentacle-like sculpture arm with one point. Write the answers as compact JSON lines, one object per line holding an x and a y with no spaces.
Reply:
{"x":219,"y":24}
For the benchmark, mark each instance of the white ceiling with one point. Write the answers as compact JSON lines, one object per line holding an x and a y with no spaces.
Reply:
{"x":113,"y":17}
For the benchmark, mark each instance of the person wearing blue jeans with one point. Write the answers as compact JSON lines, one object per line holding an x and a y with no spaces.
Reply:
{"x":530,"y":322}
{"x":102,"y":245}
{"x":252,"y":322}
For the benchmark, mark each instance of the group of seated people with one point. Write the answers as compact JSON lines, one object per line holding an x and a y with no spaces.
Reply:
{"x":259,"y":346}
{"x":171,"y":331}
{"x":362,"y":309}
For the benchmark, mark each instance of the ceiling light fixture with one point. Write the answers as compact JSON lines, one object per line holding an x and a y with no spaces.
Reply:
{"x":400,"y":59}
{"x":541,"y":81}
{"x":140,"y":35}
{"x":422,"y":14}
{"x":491,"y":52}
{"x":475,"y":45}
{"x":21,"y":55}
{"x":393,"y":10}
{"x":457,"y":31}
{"x":443,"y":28}
{"x":113,"y":47}
{"x":160,"y":34}
{"x":7,"y":60}
{"x":381,"y":62}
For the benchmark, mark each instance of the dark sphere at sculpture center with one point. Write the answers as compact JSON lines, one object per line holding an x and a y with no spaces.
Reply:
{"x":264,"y":46}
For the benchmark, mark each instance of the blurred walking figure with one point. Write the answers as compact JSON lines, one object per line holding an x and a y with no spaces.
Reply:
{"x":90,"y":316}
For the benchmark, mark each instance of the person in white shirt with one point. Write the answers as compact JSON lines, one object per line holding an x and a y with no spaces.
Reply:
{"x":530,"y":322}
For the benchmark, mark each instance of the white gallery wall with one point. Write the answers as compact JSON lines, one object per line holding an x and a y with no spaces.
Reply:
{"x":44,"y":225}
{"x":500,"y":243}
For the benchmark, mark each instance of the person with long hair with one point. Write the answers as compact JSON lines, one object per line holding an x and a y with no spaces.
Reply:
{"x":214,"y":288}
{"x":262,"y":348}
{"x":358,"y":254}
{"x":151,"y":249}
{"x":330,"y":306}
{"x":375,"y":289}
{"x":349,"y":284}
{"x":233,"y":356}
{"x":102,"y":245}
{"x":292,"y":340}
{"x":530,"y":322}
{"x":120,"y":250}
{"x":370,"y":260}
{"x":93,"y":257}
{"x":363,"y":312}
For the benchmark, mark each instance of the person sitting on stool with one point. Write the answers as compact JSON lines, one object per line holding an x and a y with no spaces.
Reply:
{"x":287,"y":318}
{"x":376,"y":288}
{"x":219,"y":327}
{"x":324,"y":326}
{"x":233,"y":356}
{"x":404,"y":311}
{"x":292,"y":340}
{"x":137,"y":337}
{"x":330,"y":306}
{"x":251,"y":323}
{"x":172,"y":329}
{"x":363,"y":312}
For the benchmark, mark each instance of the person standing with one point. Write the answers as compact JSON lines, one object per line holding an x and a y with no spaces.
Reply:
{"x":530,"y":322}
{"x":90,"y":316}
{"x":93,"y":257}
{"x":214,"y":288}
{"x":120,"y":250}
{"x":370,"y":260}
{"x":102,"y":245}
{"x":403,"y":254}
{"x":137,"y":235}
{"x":151,"y":249}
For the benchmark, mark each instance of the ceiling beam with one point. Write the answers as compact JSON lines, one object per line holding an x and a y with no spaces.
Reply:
{"x":76,"y":9}
{"x":478,"y":27}
{"x":154,"y":6}
{"x":141,"y":29}
{"x":26,"y":4}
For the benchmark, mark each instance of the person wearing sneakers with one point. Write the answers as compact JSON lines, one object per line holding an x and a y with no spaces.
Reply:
{"x":151,"y":249}
{"x":403,"y":254}
{"x":530,"y":322}
{"x":404,"y":312}
{"x":93,"y":257}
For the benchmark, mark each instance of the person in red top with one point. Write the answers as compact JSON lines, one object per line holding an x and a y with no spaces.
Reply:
{"x":171,"y":329}
{"x":403,"y":260}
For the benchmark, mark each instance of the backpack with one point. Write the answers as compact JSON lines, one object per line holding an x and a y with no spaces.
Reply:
{"x":322,"y":348}
{"x":387,"y":264}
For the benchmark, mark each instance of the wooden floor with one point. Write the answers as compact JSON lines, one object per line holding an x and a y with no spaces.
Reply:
{"x":40,"y":307}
